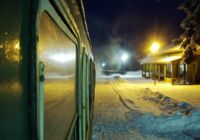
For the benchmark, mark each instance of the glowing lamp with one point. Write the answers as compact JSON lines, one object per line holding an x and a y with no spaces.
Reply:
{"x":124,"y":57}
{"x":155,"y":47}
{"x":103,"y":64}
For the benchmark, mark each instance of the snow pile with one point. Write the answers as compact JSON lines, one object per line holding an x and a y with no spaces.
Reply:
{"x":176,"y":126}
{"x":179,"y":120}
{"x":133,"y":74}
{"x":128,"y":74}
{"x":169,"y":105}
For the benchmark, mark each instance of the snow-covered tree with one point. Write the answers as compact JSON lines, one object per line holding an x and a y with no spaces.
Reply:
{"x":191,"y":25}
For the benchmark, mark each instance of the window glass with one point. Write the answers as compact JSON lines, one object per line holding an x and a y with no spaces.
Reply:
{"x":58,"y":53}
{"x":13,"y":107}
{"x":9,"y":41}
{"x":182,"y":69}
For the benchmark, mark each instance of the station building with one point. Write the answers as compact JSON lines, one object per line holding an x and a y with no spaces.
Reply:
{"x":167,"y":65}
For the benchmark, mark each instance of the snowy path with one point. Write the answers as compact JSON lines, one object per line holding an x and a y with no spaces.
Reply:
{"x":110,"y":119}
{"x":127,"y":111}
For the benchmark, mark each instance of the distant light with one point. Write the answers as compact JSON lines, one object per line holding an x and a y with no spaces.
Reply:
{"x":17,"y":46}
{"x":62,"y":58}
{"x":155,"y":47}
{"x":124,"y":57}
{"x":103,"y":64}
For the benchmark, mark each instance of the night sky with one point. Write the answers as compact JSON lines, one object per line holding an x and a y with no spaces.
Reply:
{"x":130,"y":25}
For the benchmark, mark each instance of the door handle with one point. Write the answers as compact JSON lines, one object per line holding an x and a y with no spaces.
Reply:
{"x":40,"y":101}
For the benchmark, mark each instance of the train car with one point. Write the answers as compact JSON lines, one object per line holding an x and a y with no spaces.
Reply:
{"x":47,"y":71}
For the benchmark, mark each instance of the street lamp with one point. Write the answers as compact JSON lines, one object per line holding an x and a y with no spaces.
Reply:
{"x":103,"y":65}
{"x":154,"y":48}
{"x":124,"y":58}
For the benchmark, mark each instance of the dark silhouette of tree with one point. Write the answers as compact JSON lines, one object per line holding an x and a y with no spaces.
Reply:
{"x":191,"y":25}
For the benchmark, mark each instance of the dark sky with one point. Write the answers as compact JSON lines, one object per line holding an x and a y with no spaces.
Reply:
{"x":130,"y":25}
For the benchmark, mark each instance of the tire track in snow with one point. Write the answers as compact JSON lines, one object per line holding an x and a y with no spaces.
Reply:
{"x":122,"y":100}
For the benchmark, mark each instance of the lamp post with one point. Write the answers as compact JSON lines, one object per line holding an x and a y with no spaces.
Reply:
{"x":154,"y":48}
{"x":124,"y":58}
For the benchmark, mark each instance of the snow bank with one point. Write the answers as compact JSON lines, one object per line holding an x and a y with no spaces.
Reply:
{"x":180,"y":121}
{"x":168,"y":104}
{"x":128,"y":74}
{"x":181,"y":126}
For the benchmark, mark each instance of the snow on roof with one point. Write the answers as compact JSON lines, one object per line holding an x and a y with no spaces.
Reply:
{"x":164,"y":56}
{"x":198,"y":50}
{"x":172,"y":49}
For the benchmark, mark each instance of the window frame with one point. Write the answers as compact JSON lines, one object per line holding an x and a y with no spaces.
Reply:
{"x":61,"y":19}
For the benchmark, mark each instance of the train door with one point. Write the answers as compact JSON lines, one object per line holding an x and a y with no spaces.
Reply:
{"x":91,"y":84}
{"x":79,"y":90}
{"x":57,"y":77}
{"x":83,"y":94}
{"x":87,"y":92}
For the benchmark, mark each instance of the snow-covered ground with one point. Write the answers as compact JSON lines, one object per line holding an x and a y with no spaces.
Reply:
{"x":136,"y":109}
{"x":127,"y":75}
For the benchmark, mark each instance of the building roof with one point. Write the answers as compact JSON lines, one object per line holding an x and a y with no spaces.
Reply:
{"x":165,"y":55}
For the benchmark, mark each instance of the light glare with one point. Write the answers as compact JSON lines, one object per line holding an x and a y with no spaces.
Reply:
{"x":103,"y":64}
{"x":124,"y":57}
{"x":62,"y":58}
{"x":17,"y":46}
{"x":155,"y":47}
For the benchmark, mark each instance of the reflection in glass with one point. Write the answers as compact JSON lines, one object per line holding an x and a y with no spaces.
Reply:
{"x":13,"y":107}
{"x":62,"y":58}
{"x":58,"y":53}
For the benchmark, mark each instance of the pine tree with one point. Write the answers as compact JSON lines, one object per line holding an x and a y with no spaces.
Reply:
{"x":191,"y":25}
